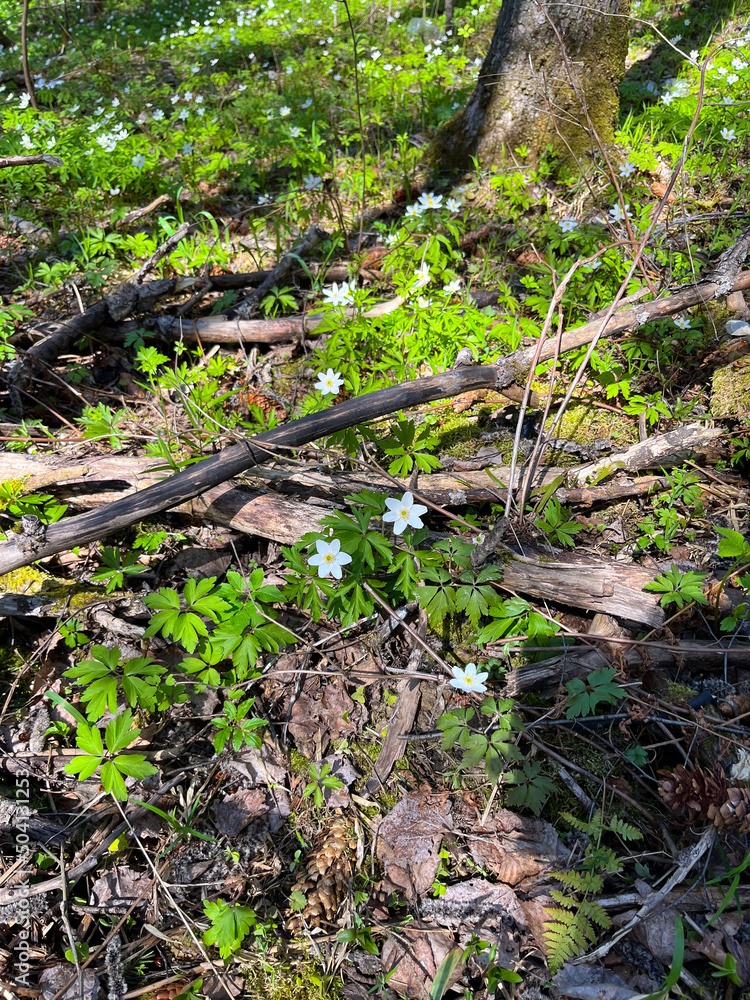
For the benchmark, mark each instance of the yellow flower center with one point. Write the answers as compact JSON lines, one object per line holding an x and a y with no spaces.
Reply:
{"x":404,"y":514}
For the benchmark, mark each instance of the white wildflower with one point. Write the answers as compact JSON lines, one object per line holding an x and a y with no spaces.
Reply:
{"x":468,"y":679}
{"x":404,"y":513}
{"x":329,"y":558}
{"x":329,"y":382}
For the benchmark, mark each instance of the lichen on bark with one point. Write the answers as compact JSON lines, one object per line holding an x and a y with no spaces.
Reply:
{"x":550,"y":78}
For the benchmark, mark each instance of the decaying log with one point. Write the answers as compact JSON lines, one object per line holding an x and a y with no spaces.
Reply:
{"x":611,"y":588}
{"x":669,"y":449}
{"x":581,"y":660}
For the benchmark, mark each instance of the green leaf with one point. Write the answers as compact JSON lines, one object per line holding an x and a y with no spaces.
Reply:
{"x":443,"y":975}
{"x":230,"y":925}
{"x":89,"y":739}
{"x":679,"y":588}
{"x":84,"y":766}
{"x":583,"y":697}
{"x":113,"y":782}
{"x":120,"y":733}
{"x":134,"y":765}
{"x":733,"y":544}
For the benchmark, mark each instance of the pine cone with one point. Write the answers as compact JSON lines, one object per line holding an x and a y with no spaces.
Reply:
{"x":734,"y":813}
{"x":326,"y":877}
{"x":693,"y":792}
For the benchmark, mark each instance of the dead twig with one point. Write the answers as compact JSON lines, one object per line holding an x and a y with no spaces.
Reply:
{"x":27,"y":161}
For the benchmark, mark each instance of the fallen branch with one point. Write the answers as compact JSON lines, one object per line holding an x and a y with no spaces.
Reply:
{"x":27,"y":161}
{"x":54,"y":538}
{"x":217,"y":330}
{"x":164,"y":250}
{"x":123,"y":302}
{"x":660,"y":451}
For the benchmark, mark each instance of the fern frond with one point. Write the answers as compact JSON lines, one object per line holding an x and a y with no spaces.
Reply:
{"x":625,"y":830}
{"x":567,"y":934}
{"x":594,"y":912}
{"x":592,"y":827}
{"x":581,"y":882}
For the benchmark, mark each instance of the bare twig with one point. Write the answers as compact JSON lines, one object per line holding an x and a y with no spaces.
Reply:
{"x":27,"y":161}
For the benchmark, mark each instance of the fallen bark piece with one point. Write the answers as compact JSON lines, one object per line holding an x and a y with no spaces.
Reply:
{"x":611,"y":588}
{"x":668,"y":449}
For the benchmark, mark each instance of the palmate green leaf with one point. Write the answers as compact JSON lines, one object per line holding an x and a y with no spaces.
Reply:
{"x":101,"y":696}
{"x":84,"y":766}
{"x":230,"y":925}
{"x":679,"y":588}
{"x":407,"y":576}
{"x":120,"y":733}
{"x":134,"y":765}
{"x":440,"y":600}
{"x":113,"y":782}
{"x":186,"y":628}
{"x":733,"y":545}
{"x":89,"y":739}
{"x":164,"y":599}
{"x":532,"y":788}
{"x":584,"y":696}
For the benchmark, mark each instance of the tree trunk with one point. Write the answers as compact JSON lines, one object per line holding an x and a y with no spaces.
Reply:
{"x":551,"y":73}
{"x":448,"y":15}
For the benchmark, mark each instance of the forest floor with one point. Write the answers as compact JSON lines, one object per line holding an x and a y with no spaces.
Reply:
{"x":443,"y":689}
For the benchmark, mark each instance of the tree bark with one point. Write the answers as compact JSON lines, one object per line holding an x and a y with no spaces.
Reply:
{"x":551,"y":75}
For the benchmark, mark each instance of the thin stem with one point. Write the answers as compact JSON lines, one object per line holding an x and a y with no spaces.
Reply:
{"x":25,"y":55}
{"x":361,"y":128}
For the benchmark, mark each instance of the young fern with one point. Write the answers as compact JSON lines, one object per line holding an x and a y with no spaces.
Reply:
{"x":572,"y":925}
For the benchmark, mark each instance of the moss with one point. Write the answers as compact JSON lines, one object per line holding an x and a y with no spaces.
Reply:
{"x":584,"y":423}
{"x":66,"y":596}
{"x":679,"y":692}
{"x":730,"y":391}
{"x":304,"y":982}
{"x":299,"y":762}
{"x":27,"y":580}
